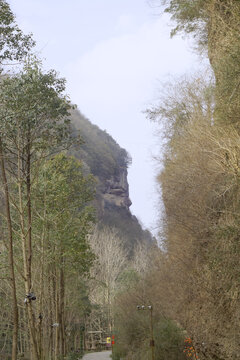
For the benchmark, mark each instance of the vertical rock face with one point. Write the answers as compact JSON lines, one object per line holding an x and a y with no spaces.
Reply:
{"x":108,"y":162}
{"x":116,"y":191}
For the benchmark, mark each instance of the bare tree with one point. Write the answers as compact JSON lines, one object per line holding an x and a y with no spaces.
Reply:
{"x":111,"y":261}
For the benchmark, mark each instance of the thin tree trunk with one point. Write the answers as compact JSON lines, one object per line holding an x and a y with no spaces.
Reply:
{"x":51,"y":309}
{"x":29,"y":251}
{"x":61,"y":307}
{"x":109,"y":308}
{"x":27,"y":266}
{"x":29,"y":213}
{"x":56,"y":314}
{"x":10,"y":255}
{"x":41,"y":294}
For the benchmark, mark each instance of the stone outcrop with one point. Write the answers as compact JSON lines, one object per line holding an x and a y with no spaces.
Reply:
{"x":108,"y":162}
{"x":117,"y":191}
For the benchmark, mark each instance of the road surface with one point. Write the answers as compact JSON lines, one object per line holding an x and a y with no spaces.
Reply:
{"x":104,"y":355}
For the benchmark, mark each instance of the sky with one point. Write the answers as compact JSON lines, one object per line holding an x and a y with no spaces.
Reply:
{"x":114,"y":55}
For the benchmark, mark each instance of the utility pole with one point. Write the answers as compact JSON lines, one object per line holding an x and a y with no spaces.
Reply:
{"x":149,"y":307}
{"x":152,"y":338}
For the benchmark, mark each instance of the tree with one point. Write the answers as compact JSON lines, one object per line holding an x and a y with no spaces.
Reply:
{"x":111,"y":259}
{"x":196,"y":277}
{"x":10,"y":253}
{"x":215,"y":23}
{"x":14,"y":45}
{"x":33,"y":120}
{"x":63,"y":218}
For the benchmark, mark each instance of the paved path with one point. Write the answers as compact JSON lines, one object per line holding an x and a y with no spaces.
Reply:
{"x":104,"y":355}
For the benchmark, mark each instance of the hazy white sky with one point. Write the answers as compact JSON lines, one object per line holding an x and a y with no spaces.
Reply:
{"x":113,"y":54}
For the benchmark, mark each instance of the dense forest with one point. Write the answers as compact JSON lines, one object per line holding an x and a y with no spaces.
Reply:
{"x":76,"y":266}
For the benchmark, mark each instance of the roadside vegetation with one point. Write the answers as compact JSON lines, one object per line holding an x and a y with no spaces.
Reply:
{"x":196,"y":280}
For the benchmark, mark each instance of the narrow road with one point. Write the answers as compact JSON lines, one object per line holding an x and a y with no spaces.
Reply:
{"x":104,"y":355}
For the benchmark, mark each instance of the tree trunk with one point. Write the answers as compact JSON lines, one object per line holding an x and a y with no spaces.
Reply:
{"x":61,"y":308}
{"x":26,"y":263}
{"x":10,"y":255}
{"x":41,"y":293}
{"x":29,"y":215}
{"x":56,"y":292}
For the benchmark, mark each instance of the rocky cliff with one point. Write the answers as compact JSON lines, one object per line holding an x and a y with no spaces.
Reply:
{"x":108,"y":162}
{"x":116,"y":191}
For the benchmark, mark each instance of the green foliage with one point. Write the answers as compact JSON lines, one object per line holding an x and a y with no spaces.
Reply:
{"x":74,"y":356}
{"x":133,"y":338}
{"x":191,"y":17}
{"x":14,"y":45}
{"x":34,"y":108}
{"x":63,"y":195}
{"x":100,"y":151}
{"x":50,"y":204}
{"x":169,"y":341}
{"x":127,"y":279}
